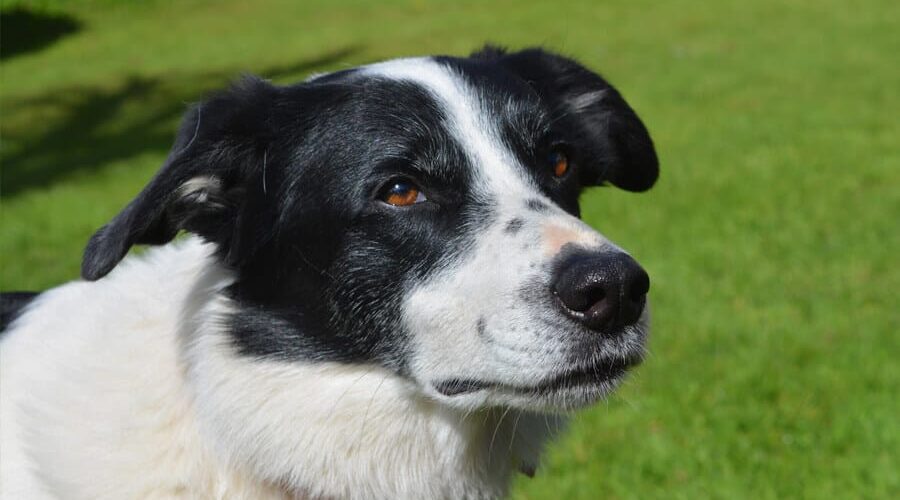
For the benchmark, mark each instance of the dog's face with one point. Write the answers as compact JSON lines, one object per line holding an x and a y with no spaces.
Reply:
{"x":417,"y":214}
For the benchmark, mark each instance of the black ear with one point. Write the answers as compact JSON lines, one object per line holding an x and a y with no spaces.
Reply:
{"x":218,"y":151}
{"x":616,"y":143}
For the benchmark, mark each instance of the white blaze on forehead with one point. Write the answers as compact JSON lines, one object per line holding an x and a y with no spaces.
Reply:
{"x":468,"y":121}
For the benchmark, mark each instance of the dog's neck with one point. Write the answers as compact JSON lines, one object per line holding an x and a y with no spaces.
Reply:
{"x":347,"y":430}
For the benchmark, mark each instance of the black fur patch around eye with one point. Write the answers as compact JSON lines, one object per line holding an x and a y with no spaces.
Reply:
{"x":334,"y":277}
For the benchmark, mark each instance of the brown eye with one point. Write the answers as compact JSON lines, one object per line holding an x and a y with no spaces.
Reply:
{"x":402,"y":193}
{"x":559,"y":162}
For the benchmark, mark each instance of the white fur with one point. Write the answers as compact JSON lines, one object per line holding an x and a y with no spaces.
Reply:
{"x":126,"y":388}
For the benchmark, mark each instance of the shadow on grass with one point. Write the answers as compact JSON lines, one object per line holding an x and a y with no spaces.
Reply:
{"x":88,"y":127}
{"x":23,"y":30}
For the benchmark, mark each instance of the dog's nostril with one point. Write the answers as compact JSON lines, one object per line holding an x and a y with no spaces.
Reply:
{"x":584,"y":300}
{"x":597,"y":298}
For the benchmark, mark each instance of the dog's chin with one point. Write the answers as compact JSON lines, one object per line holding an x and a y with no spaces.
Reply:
{"x":568,"y":390}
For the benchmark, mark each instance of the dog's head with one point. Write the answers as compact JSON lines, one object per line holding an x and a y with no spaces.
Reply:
{"x":418,"y":214}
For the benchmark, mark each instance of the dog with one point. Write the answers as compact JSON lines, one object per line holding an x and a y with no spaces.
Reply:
{"x":371,"y":284}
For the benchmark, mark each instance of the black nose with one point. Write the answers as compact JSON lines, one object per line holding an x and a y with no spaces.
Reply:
{"x":603,"y":291}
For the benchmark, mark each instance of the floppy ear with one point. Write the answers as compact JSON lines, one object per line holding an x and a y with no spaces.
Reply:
{"x":202,"y":185}
{"x":616,"y":146}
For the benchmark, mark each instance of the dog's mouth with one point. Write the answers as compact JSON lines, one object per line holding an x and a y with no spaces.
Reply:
{"x":599,"y":374}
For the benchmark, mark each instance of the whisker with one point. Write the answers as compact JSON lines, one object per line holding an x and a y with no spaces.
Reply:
{"x":494,"y":436}
{"x":365,"y":419}
{"x":512,"y":437}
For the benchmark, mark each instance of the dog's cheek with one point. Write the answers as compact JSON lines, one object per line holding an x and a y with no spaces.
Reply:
{"x":366,"y":293}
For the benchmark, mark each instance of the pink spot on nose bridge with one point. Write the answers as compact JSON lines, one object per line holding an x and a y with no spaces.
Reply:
{"x":554,"y":237}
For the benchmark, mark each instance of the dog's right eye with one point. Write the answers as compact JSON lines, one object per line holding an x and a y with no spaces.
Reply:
{"x":401,"y":193}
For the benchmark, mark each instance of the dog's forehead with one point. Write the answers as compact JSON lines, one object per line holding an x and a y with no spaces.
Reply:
{"x":478,"y":113}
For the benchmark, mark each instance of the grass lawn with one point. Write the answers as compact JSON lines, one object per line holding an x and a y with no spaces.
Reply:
{"x":771,"y":240}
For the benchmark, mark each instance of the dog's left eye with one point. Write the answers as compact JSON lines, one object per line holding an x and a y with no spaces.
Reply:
{"x":559,"y":162}
{"x":401,"y":193}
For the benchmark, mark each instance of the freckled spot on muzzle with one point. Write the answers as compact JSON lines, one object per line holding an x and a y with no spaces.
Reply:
{"x":514,"y":225}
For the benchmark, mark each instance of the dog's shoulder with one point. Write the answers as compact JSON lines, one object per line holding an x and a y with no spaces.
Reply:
{"x":90,"y":352}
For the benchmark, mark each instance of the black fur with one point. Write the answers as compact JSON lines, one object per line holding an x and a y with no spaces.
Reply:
{"x":285,"y":181}
{"x":12,"y":304}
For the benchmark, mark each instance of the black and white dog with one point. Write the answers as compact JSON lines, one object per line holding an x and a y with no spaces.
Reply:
{"x":387,"y":293}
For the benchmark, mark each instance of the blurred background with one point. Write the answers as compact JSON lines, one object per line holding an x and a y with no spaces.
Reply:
{"x":771,"y":238}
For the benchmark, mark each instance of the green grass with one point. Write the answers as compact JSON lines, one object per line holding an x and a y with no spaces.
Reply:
{"x":771,"y":238}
